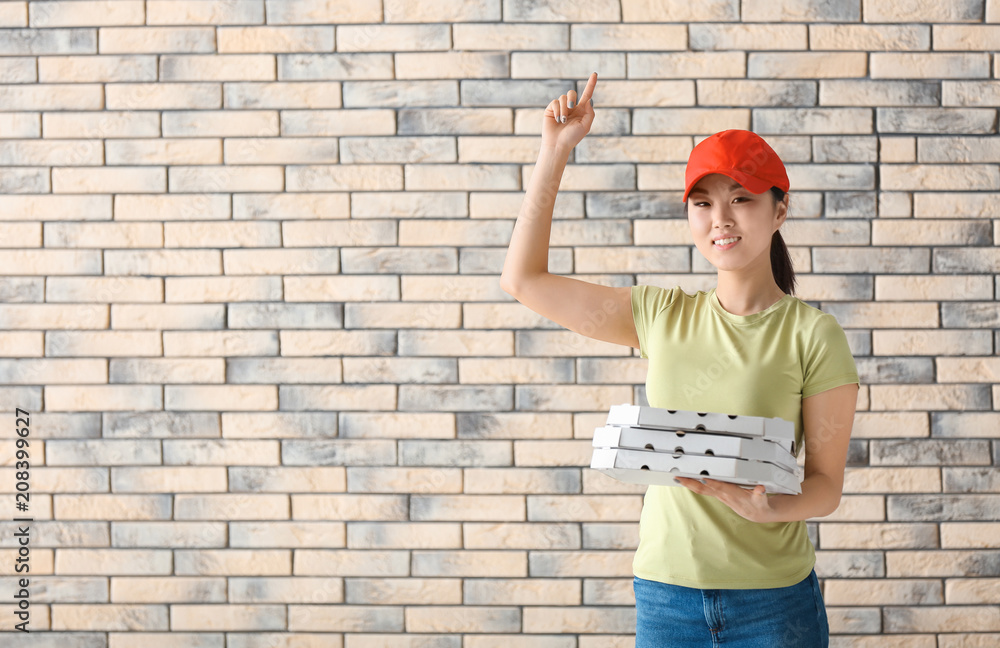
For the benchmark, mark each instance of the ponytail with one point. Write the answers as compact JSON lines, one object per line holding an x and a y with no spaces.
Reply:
{"x":781,"y":261}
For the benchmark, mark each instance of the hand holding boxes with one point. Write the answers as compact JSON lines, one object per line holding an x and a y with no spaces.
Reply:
{"x":649,"y":445}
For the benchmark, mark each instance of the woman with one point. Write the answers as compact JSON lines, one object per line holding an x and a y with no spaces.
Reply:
{"x":716,"y":563}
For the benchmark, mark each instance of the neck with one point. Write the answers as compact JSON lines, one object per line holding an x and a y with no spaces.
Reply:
{"x":746,"y":294}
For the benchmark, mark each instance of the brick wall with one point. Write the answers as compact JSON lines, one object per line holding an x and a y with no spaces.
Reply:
{"x":250,"y":296}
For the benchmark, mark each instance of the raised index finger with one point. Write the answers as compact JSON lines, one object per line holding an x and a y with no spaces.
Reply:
{"x":589,"y":90}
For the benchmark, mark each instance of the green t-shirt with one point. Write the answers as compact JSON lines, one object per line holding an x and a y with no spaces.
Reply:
{"x":703,"y":358}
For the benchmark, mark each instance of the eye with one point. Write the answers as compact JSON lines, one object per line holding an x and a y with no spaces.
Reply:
{"x":700,"y":203}
{"x":739,"y":198}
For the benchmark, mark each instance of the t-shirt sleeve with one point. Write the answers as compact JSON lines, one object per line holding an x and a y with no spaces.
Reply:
{"x":828,"y":362}
{"x":647,"y":303}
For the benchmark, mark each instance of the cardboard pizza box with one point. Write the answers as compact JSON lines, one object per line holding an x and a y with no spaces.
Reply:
{"x":774,"y":429}
{"x":648,"y":467}
{"x":695,"y":443}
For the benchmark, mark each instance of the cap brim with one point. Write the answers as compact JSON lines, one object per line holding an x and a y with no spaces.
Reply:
{"x":753,"y":185}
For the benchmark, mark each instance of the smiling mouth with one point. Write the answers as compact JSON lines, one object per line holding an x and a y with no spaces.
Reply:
{"x":726,"y":241}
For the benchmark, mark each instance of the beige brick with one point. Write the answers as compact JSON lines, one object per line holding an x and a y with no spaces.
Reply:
{"x":122,"y":618}
{"x":928,"y":232}
{"x":219,"y":343}
{"x":534,"y":591}
{"x":973,"y":591}
{"x":156,"y":40}
{"x":101,"y":125}
{"x":970,"y":93}
{"x":62,"y":69}
{"x":489,"y":37}
{"x":897,"y":149}
{"x":300,"y":94}
{"x":217,"y":67}
{"x":878,"y":536}
{"x":103,"y":398}
{"x":112,"y":562}
{"x":747,"y":37}
{"x":969,"y":535}
{"x":88,"y":13}
{"x":14,"y":14}
{"x":403,"y":591}
{"x":629,"y":37}
{"x":513,"y":535}
{"x":875,"y":425}
{"x":579,"y":619}
{"x":682,"y":65}
{"x":467,"y":507}
{"x":162,"y":262}
{"x":167,"y":208}
{"x":51,"y":152}
{"x":687,"y":121}
{"x":220,"y":397}
{"x":368,"y":177}
{"x":452,"y":65}
{"x":679,"y":11}
{"x":177,"y":479}
{"x":341,"y":618}
{"x":585,"y":508}
{"x":955,"y":205}
{"x":200,"y":12}
{"x":807,"y":65}
{"x":473,"y":11}
{"x":929,"y":66}
{"x":274,"y":39}
{"x":929,"y":288}
{"x":965,"y":37}
{"x":323,"y":11}
{"x":18,"y":69}
{"x":870,"y":37}
{"x":942,"y":619}
{"x":139,"y":589}
{"x":404,"y":535}
{"x":407,"y":38}
{"x":227,"y":617}
{"x":13,"y":124}
{"x":107,"y":235}
{"x":228,"y":178}
{"x":954,"y":177}
{"x":967,"y":370}
{"x":56,"y":96}
{"x":920,"y":342}
{"x":163,"y":151}
{"x":929,"y":397}
{"x":109,"y":180}
{"x":404,"y":480}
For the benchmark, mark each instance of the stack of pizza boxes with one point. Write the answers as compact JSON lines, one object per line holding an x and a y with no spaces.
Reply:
{"x":651,"y":445}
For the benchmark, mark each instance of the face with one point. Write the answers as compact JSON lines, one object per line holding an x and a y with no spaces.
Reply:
{"x":718,"y":206}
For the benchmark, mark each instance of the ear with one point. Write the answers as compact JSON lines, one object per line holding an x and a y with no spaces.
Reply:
{"x":781,"y":210}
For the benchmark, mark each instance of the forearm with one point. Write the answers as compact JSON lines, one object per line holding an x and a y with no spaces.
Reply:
{"x":528,"y":252}
{"x":819,"y":498}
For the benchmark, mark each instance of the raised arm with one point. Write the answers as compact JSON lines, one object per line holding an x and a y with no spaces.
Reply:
{"x":593,"y":310}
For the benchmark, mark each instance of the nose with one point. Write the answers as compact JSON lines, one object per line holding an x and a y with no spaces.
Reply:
{"x":722,"y":217}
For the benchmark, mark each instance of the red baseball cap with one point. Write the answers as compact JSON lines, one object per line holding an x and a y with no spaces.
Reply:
{"x":740,"y":154}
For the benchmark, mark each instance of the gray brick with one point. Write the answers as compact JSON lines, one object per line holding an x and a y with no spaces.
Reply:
{"x":455,"y":453}
{"x":336,"y":67}
{"x":890,"y":260}
{"x":621,"y":536}
{"x":531,"y":11}
{"x":284,"y":316}
{"x":929,"y":453}
{"x":965,"y":149}
{"x":968,"y":260}
{"x":366,"y":150}
{"x":971,"y":480}
{"x":338,"y":452}
{"x":970,"y":315}
{"x":851,"y":92}
{"x":400,"y":370}
{"x":68,"y":533}
{"x":936,"y":120}
{"x":515,"y":92}
{"x":895,"y":370}
{"x":402,"y":94}
{"x":806,"y":121}
{"x":36,"y":42}
{"x":513,"y":425}
{"x":755,"y":93}
{"x":850,"y":204}
{"x":941,"y":508}
{"x":103,"y":452}
{"x":455,"y":398}
{"x":961,"y":424}
{"x":845,"y":149}
{"x":857,"y":452}
{"x":850,"y":564}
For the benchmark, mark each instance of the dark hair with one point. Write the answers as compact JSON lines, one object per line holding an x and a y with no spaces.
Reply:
{"x":781,"y":261}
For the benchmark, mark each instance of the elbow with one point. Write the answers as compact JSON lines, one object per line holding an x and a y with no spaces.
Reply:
{"x":508,"y":285}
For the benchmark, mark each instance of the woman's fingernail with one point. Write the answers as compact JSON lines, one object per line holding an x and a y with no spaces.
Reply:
{"x":563,"y":119}
{"x":569,"y":104}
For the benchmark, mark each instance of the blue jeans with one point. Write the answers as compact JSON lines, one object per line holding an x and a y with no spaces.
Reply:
{"x":671,"y":616}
